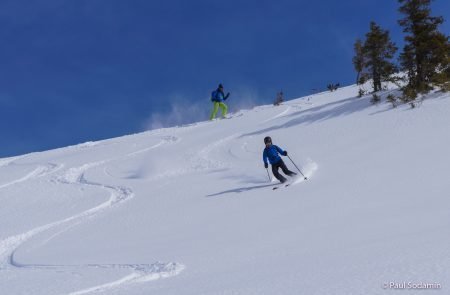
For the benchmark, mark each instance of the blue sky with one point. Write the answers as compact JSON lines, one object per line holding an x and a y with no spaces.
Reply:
{"x":76,"y":71}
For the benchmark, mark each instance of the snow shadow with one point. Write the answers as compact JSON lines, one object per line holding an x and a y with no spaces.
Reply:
{"x":241,"y":190}
{"x":319,"y":113}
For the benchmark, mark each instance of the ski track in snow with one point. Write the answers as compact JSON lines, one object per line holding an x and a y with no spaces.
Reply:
{"x":40,"y":171}
{"x":203,"y":161}
{"x":289,"y":109}
{"x":118,"y":195}
{"x":283,"y":113}
{"x":199,"y":161}
{"x":165,"y":140}
{"x":141,"y":273}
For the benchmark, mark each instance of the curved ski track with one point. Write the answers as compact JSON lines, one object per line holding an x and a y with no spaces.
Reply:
{"x":283,"y":113}
{"x":40,"y":171}
{"x":118,"y":195}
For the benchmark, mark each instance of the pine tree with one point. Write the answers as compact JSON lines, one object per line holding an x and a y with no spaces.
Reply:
{"x":378,"y":50}
{"x":358,"y":61}
{"x":426,"y":55}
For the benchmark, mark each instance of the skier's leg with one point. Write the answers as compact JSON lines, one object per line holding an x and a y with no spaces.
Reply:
{"x":276,"y":173}
{"x":214,"y":111}
{"x":224,"y":109}
{"x":286,"y":170}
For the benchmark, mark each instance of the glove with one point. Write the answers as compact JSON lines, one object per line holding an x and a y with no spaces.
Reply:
{"x":266,"y":165}
{"x":285,"y":153}
{"x":226,"y":96}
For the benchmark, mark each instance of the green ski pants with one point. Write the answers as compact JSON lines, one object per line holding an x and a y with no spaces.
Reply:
{"x":222,"y":106}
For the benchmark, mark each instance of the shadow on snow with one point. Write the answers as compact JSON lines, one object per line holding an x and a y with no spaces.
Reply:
{"x":241,"y":189}
{"x":319,"y":113}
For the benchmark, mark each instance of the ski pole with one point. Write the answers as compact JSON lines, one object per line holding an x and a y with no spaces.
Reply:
{"x":297,"y":168}
{"x":268,"y":175}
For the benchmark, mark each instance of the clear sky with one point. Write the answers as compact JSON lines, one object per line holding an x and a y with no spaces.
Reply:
{"x":76,"y":71}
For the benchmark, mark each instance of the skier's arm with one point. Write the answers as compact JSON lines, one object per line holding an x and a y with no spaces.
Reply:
{"x":284,"y":153}
{"x":265,"y":157}
{"x":226,"y":96}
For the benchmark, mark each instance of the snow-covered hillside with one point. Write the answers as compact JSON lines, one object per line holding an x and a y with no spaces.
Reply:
{"x":190,"y":210}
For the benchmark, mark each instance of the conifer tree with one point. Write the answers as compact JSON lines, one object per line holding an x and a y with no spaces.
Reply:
{"x":426,"y":55}
{"x":378,"y":50}
{"x":358,"y":61}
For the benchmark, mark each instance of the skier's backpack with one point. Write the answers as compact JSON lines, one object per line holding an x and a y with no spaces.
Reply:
{"x":214,"y":96}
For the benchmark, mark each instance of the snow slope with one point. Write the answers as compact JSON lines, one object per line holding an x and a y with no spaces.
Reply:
{"x":190,"y":210}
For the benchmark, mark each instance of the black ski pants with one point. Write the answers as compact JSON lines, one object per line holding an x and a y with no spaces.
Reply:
{"x":285,"y":170}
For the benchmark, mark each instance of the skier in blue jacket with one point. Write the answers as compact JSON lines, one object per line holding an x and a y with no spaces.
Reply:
{"x":271,"y":153}
{"x":218,"y":97}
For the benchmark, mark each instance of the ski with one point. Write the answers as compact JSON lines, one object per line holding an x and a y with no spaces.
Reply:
{"x":292,"y":181}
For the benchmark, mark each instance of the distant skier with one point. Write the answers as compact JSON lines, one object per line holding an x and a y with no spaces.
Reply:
{"x":271,"y":153}
{"x":218,"y":97}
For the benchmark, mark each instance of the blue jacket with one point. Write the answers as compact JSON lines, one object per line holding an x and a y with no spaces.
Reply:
{"x":271,"y":153}
{"x":218,"y":96}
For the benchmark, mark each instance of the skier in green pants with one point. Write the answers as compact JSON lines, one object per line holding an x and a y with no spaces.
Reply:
{"x":218,"y":97}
